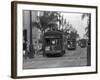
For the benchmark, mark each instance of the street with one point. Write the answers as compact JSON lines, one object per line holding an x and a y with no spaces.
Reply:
{"x":72,"y":58}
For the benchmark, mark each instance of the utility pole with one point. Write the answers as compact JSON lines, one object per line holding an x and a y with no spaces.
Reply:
{"x":30,"y":27}
{"x":89,"y":42}
{"x":31,"y":50}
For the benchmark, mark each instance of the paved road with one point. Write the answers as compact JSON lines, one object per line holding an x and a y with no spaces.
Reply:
{"x":72,"y":58}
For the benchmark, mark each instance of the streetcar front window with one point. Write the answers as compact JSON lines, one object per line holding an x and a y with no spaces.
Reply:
{"x":52,"y":44}
{"x":47,"y":48}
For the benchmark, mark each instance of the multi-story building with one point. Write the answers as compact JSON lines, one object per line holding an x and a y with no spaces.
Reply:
{"x":33,"y":33}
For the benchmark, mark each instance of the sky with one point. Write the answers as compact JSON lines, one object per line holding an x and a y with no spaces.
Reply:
{"x":77,"y":22}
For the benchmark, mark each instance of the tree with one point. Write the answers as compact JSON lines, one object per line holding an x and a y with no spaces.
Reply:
{"x":87,"y":29}
{"x":71,"y":33}
{"x":47,"y":20}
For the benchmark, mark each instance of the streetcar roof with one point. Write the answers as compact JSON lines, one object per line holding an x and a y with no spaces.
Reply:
{"x":53,"y":32}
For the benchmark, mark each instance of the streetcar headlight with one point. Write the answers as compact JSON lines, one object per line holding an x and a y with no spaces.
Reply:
{"x":69,"y":46}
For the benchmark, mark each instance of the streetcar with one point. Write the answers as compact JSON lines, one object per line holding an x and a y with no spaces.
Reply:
{"x":53,"y":44}
{"x":71,"y":44}
{"x":71,"y":41}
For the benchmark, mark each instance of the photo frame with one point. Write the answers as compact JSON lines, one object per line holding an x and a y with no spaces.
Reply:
{"x":50,"y":39}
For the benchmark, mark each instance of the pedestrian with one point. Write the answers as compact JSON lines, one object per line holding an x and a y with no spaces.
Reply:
{"x":31,"y":51}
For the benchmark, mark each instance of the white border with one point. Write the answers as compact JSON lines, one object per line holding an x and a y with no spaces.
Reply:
{"x":21,"y":72}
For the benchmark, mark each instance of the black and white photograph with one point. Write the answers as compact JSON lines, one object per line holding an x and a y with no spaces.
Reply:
{"x":53,"y":39}
{"x":56,"y":39}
